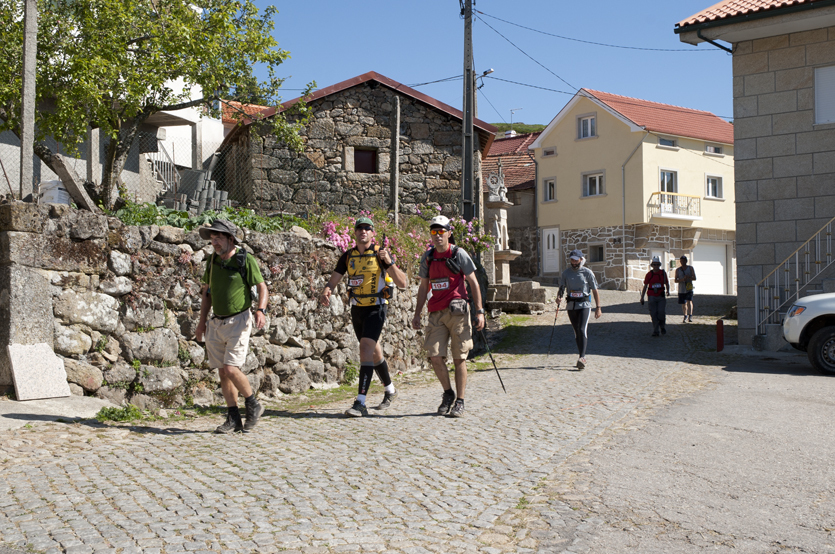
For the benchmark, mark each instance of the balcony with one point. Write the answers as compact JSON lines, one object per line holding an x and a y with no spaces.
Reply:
{"x":671,"y":205}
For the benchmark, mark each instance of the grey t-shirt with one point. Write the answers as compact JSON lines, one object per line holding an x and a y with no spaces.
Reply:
{"x":682,"y":272}
{"x":464,"y":262}
{"x":578,"y":285}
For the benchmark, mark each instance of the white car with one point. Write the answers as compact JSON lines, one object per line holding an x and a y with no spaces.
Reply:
{"x":810,"y":326}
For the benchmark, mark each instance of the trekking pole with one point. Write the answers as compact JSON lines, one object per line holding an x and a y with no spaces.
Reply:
{"x":492,"y":360}
{"x":556,"y":314}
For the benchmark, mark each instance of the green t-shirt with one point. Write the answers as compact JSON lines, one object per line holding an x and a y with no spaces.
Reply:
{"x":229,"y":294}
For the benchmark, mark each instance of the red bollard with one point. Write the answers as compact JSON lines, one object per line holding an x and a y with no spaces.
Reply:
{"x":720,"y":335}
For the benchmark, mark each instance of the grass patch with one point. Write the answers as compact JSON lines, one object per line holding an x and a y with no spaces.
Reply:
{"x":128,"y":413}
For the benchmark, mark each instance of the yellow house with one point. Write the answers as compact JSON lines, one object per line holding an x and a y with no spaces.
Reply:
{"x":624,"y":180}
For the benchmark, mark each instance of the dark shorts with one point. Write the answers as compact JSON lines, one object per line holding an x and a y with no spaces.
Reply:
{"x":368,"y":321}
{"x":685,"y":297}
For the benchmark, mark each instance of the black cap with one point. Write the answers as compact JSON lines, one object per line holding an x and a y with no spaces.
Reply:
{"x":683,"y":257}
{"x":219,"y":226}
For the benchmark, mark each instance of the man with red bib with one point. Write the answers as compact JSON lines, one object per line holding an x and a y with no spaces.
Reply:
{"x":444,"y":270}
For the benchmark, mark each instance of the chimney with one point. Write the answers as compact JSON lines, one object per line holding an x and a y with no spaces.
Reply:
{"x":509,"y":134}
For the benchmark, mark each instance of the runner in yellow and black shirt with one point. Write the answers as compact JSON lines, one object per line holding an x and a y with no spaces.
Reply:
{"x":367,"y":266}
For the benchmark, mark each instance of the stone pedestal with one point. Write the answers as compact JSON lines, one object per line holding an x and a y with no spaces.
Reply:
{"x":495,"y":220}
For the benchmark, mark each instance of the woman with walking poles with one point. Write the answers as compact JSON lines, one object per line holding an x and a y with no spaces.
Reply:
{"x":579,"y":285}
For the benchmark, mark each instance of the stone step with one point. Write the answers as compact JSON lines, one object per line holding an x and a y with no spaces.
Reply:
{"x":509,"y":307}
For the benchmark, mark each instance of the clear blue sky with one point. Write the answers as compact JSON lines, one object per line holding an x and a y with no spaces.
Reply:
{"x":419,"y":41}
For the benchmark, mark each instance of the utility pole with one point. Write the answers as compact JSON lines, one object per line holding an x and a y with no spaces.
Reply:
{"x":27,"y":104}
{"x":469,"y":195}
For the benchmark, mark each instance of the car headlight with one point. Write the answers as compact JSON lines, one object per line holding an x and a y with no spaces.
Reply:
{"x":796,"y":310}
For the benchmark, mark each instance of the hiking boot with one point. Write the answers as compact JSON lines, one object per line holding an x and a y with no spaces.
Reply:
{"x":457,"y":409}
{"x":581,"y":363}
{"x":446,"y":403}
{"x":663,"y":330}
{"x":685,"y":319}
{"x":253,"y":414}
{"x":655,"y":334}
{"x":357,"y":410}
{"x":388,"y":398}
{"x":229,"y":426}
{"x":690,"y":319}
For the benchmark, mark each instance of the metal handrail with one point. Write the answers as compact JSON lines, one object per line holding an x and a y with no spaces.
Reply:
{"x":806,"y":263}
{"x":674,"y":203}
{"x":164,"y":169}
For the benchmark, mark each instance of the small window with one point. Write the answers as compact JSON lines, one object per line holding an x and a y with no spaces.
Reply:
{"x":669,"y":181}
{"x":597,"y":253}
{"x":550,"y":188}
{"x":593,"y":184}
{"x":825,"y":94}
{"x":546,"y":152}
{"x":713,"y":149}
{"x":586,"y":127}
{"x":714,"y":187}
{"x":365,"y":161}
{"x":668,"y":142}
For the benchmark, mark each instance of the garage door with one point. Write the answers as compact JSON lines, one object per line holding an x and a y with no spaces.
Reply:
{"x":710,"y":262}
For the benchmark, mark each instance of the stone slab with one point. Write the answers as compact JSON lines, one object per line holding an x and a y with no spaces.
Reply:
{"x":37,"y":372}
{"x":517,"y":307}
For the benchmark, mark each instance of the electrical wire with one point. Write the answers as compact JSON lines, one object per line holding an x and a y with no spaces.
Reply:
{"x":492,"y":106}
{"x":453,"y":78}
{"x":596,"y":43}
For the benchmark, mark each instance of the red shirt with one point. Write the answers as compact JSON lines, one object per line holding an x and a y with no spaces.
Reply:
{"x":445,"y":285}
{"x":657,"y":281}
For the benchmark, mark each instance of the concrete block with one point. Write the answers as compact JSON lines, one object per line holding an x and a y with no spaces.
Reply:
{"x":792,"y":122}
{"x":828,"y":285}
{"x":749,"y":170}
{"x":746,"y":233}
{"x":738,"y":87}
{"x":823,"y":162}
{"x":771,"y":341}
{"x":745,"y":107}
{"x":752,"y":127}
{"x":749,"y":64}
{"x":787,"y":58}
{"x":778,"y":102}
{"x":794,"y":209}
{"x":25,"y":313}
{"x":814,"y":185}
{"x":37,"y":372}
{"x":744,"y":47}
{"x":523,"y":291}
{"x":820,"y":54}
{"x":502,"y":292}
{"x":816,"y":141}
{"x":760,"y":83}
{"x":807,"y":37}
{"x":824,"y":206}
{"x":772,"y":189}
{"x":792,"y":166}
{"x":778,"y":231}
{"x":754,"y":254}
{"x":770,"y":43}
{"x":793,"y":79}
{"x":746,"y":277}
{"x":780,"y":145}
{"x":745,"y":149}
{"x":745,"y":191}
{"x":754,"y":212}
{"x":808,"y":227}
{"x":806,"y":99}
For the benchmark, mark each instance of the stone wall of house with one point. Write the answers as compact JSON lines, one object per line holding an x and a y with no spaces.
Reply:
{"x":120,"y":304}
{"x":641,"y":241}
{"x":525,"y":240}
{"x":324,"y":176}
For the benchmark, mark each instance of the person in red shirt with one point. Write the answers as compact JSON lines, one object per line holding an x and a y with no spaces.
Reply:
{"x":444,"y":270}
{"x":655,"y":283}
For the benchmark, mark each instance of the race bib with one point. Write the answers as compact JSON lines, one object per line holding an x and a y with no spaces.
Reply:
{"x":355,"y":281}
{"x":576,"y":294}
{"x":440,"y":284}
{"x":657,"y":286}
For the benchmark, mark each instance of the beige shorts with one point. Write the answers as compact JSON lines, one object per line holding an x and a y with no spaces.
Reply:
{"x":227,"y":340}
{"x":444,"y":326}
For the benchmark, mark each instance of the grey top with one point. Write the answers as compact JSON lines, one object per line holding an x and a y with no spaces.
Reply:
{"x":682,"y":272}
{"x":578,"y":284}
{"x":463,"y":259}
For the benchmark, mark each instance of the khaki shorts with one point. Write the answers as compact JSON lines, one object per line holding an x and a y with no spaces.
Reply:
{"x":227,"y":340}
{"x":444,"y":326}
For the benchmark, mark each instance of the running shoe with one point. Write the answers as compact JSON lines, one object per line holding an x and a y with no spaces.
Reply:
{"x":229,"y":426}
{"x":388,"y":398}
{"x":457,"y":410}
{"x":685,"y":319}
{"x":357,"y":410}
{"x":446,"y":403}
{"x":581,"y":363}
{"x":690,"y":319}
{"x":253,"y":414}
{"x":663,"y":330}
{"x":655,"y":333}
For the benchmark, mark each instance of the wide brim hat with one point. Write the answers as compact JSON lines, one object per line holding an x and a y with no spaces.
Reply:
{"x":219,"y":226}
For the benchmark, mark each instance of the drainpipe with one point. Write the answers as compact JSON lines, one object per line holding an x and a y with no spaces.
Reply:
{"x":623,"y":191}
{"x":714,"y":43}
{"x":539,"y":267}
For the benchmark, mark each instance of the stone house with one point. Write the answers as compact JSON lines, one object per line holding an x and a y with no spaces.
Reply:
{"x":510,"y":160}
{"x":369,"y":142}
{"x":784,"y":133}
{"x":625,"y":179}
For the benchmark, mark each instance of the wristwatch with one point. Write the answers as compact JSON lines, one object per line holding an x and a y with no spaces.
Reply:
{"x":262,"y":310}
{"x":481,"y":311}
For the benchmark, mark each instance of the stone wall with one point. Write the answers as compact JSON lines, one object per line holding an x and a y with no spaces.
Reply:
{"x":524,"y":239}
{"x":784,"y":162}
{"x":324,"y":174}
{"x":120,"y":304}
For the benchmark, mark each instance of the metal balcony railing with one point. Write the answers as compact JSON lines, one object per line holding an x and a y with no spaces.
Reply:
{"x":164,"y":169}
{"x":672,"y":204}
{"x":775,"y":293}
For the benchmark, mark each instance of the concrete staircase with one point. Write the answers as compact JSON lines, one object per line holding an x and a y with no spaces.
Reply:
{"x":772,"y":339}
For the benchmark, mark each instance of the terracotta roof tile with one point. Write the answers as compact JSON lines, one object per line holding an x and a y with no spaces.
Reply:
{"x":519,"y":143}
{"x":517,"y":162}
{"x":728,"y":9}
{"x":231,"y":108}
{"x":668,"y":119}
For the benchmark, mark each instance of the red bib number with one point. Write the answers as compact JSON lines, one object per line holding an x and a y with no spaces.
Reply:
{"x":355,"y":281}
{"x":576,"y":294}
{"x":440,"y":284}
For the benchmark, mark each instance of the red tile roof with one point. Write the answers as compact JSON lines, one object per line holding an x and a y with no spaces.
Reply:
{"x":668,"y":119}
{"x":231,"y":109}
{"x":517,"y":161}
{"x":728,"y":9}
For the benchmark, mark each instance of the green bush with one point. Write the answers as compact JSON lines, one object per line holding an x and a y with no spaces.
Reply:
{"x":128,"y":413}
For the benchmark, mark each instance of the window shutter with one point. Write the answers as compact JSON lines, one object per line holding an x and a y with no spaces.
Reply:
{"x":825,"y":95}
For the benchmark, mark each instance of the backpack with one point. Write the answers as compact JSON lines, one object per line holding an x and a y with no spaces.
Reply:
{"x":240,"y":257}
{"x":450,"y":262}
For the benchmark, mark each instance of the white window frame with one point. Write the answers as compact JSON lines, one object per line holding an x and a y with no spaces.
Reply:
{"x":720,"y":153}
{"x":661,"y":172}
{"x":549,"y":151}
{"x":546,"y":188}
{"x":825,"y":95}
{"x":592,"y":118}
{"x":600,"y":183}
{"x":673,"y":146}
{"x":721,"y":186}
{"x":602,"y":259}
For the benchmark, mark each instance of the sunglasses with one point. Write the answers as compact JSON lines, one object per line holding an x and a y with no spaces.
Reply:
{"x":364,"y":228}
{"x":437,"y":231}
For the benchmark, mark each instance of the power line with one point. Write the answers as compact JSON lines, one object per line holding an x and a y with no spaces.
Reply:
{"x":597,"y":43}
{"x":494,"y":107}
{"x":453,"y":78}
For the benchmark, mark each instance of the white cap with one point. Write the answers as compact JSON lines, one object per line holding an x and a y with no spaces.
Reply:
{"x":439,"y":221}
{"x":655,"y":260}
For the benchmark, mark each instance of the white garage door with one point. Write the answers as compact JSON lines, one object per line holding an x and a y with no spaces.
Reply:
{"x":710,"y":262}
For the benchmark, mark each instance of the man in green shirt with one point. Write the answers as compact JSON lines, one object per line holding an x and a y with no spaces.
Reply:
{"x":227,"y":283}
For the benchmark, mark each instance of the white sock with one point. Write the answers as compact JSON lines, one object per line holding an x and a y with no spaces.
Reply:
{"x":361,"y":398}
{"x":390,"y":388}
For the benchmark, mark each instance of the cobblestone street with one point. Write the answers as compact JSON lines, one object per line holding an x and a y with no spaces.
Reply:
{"x":513,"y":475}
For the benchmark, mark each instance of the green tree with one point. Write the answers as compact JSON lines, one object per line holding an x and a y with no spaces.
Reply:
{"x":111,"y":64}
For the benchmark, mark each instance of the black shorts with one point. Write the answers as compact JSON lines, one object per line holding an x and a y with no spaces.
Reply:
{"x":685,"y":297}
{"x":368,"y":321}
